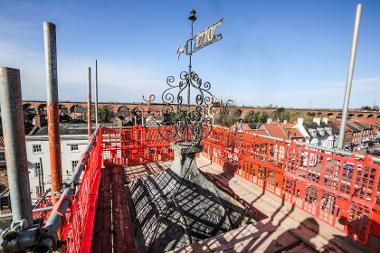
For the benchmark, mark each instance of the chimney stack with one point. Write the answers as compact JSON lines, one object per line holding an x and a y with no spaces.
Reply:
{"x":300,"y":121}
{"x":317,"y":120}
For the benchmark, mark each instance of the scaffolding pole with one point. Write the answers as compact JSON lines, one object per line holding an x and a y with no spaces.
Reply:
{"x":14,"y":144}
{"x":53,"y":109}
{"x":89,"y":104}
{"x":350,"y":74}
{"x":96,"y":92}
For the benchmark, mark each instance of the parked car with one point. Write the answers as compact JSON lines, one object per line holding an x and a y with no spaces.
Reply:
{"x":348,"y":168}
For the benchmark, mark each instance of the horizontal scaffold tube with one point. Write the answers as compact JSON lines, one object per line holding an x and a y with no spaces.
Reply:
{"x":51,"y":228}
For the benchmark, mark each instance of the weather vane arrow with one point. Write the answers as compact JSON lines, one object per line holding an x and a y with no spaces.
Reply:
{"x":180,"y":51}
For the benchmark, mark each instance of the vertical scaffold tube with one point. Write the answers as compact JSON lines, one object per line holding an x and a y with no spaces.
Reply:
{"x":89,"y":104}
{"x":53,"y":109}
{"x":96,"y":93}
{"x":350,"y":74}
{"x":14,"y":143}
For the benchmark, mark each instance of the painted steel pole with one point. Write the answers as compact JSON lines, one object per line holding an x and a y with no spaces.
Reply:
{"x":89,"y":104}
{"x":96,"y":92}
{"x":53,"y":109}
{"x":350,"y":74}
{"x":14,"y":143}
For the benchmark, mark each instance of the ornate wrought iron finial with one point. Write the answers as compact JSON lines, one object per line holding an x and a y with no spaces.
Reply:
{"x":193,"y":16}
{"x":150,"y":99}
{"x":185,"y":114}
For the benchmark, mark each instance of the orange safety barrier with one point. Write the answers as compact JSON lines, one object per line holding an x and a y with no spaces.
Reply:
{"x":78,"y":223}
{"x":45,"y":201}
{"x":120,"y":146}
{"x":135,"y":145}
{"x":341,"y":191}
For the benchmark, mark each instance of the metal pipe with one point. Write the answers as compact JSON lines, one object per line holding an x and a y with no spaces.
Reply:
{"x":55,"y":219}
{"x":42,"y":176}
{"x":14,"y":144}
{"x":96,"y":92}
{"x":350,"y":74}
{"x":53,"y":109}
{"x":36,"y":210}
{"x":89,"y":104}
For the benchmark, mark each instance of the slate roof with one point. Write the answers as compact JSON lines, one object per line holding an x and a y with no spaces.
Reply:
{"x":66,"y":129}
{"x":153,"y":121}
{"x":313,"y":125}
{"x":361,"y":125}
{"x":352,"y":127}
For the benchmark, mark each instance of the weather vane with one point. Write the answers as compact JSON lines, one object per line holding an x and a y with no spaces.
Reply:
{"x":187,"y":102}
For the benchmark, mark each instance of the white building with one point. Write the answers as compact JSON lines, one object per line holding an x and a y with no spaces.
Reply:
{"x":317,"y":133}
{"x":74,"y":141}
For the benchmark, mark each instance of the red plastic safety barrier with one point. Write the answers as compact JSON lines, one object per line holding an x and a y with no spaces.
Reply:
{"x":135,"y":145}
{"x":78,"y":225}
{"x":42,"y":203}
{"x":120,"y":146}
{"x":341,"y":191}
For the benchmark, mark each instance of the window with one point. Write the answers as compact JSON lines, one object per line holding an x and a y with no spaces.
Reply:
{"x":313,"y":133}
{"x":37,"y":168}
{"x":36,"y":148}
{"x":74,"y":147}
{"x":74,"y":164}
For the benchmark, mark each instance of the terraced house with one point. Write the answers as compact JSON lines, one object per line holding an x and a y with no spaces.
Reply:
{"x":317,"y":133}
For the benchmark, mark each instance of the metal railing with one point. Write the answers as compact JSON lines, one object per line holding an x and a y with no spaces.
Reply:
{"x":342,"y":191}
{"x":135,"y":145}
{"x":72,"y":219}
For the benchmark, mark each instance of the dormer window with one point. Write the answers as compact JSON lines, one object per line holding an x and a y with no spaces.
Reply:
{"x":321,"y":131}
{"x":313,"y":133}
{"x":328,"y":130}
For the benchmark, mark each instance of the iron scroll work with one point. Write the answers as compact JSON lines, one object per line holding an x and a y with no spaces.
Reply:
{"x":188,"y":101}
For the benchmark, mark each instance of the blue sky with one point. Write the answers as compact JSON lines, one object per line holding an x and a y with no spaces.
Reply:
{"x":285,"y":53}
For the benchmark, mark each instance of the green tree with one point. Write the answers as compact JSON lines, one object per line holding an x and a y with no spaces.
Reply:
{"x":366,"y":108}
{"x":228,"y":116}
{"x":250,"y":117}
{"x":106,"y":115}
{"x":29,"y":114}
{"x":281,"y":114}
{"x":263,"y":117}
{"x":256,"y":117}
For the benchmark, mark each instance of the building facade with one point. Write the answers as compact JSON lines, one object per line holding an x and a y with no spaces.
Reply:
{"x":38,"y":156}
{"x":317,"y":133}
